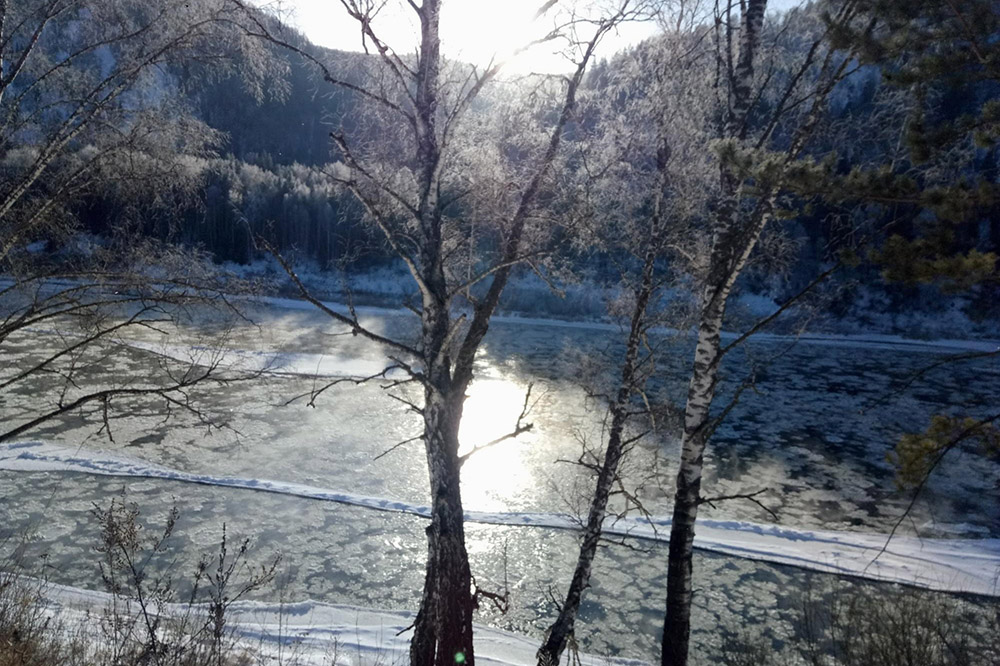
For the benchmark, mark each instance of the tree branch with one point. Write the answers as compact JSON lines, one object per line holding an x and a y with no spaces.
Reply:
{"x":752,"y":497}
{"x":519,"y":428}
{"x":355,"y":325}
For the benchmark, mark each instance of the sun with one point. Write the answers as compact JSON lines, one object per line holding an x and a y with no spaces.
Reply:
{"x":510,"y":32}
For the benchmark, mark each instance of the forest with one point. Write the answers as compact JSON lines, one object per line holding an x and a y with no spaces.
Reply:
{"x":265,"y":159}
{"x":724,"y":300}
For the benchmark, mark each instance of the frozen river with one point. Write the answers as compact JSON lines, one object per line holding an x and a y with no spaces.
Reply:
{"x":813,"y":436}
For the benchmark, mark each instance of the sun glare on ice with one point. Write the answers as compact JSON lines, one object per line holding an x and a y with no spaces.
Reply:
{"x":493,"y":476}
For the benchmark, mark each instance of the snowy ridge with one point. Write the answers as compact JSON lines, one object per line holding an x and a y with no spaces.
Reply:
{"x":314,"y":632}
{"x":956,"y":565}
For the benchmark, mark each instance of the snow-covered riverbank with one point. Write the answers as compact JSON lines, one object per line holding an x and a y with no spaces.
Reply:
{"x":313,"y":633}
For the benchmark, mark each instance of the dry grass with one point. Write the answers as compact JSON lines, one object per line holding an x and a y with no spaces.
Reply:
{"x":145,"y":623}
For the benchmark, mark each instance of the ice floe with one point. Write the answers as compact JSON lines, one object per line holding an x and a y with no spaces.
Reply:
{"x":957,"y":565}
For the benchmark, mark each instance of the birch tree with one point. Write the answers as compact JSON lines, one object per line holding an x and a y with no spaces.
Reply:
{"x":643,"y":176}
{"x":769,"y":101}
{"x":460,"y":233}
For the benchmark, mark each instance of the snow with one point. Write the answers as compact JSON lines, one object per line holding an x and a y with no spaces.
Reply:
{"x":315,"y":632}
{"x":956,"y":565}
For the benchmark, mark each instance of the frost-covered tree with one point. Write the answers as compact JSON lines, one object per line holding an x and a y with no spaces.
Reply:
{"x":86,"y":110}
{"x":86,"y":100}
{"x":456,"y":196}
{"x":772,"y":82}
{"x":642,"y":174}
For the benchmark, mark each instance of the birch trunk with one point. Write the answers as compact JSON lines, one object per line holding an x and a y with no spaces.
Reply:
{"x":442,"y":631}
{"x":443,"y":627}
{"x":701,"y":391}
{"x":734,"y":240}
{"x":561,"y":630}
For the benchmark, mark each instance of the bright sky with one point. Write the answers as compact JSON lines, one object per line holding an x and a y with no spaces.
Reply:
{"x":472,"y":30}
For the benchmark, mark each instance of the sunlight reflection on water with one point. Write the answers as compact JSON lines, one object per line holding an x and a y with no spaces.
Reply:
{"x":495,"y":475}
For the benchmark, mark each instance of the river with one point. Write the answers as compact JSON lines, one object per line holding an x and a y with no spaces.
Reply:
{"x":812,"y":436}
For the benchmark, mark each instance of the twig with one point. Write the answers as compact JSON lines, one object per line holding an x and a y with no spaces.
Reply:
{"x":784,"y":306}
{"x":743,"y":496}
{"x":357,"y":381}
{"x":519,"y":427}
{"x":917,"y":374}
{"x":355,"y":325}
{"x":397,"y":445}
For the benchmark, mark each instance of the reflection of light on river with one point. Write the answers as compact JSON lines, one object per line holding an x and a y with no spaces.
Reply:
{"x":495,"y":475}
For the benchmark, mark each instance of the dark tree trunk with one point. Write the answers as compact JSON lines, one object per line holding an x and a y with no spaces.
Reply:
{"x":447,"y":348}
{"x":442,"y":632}
{"x":443,"y":628}
{"x":562,"y":629}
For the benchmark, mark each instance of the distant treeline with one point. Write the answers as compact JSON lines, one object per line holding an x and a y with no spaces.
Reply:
{"x":269,"y":179}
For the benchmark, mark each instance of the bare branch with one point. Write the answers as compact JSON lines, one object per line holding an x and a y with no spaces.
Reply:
{"x":919,"y":373}
{"x":398,"y":445}
{"x":752,"y":497}
{"x":266,"y":34}
{"x":355,"y":325}
{"x":782,"y":308}
{"x":357,"y":381}
{"x":519,"y":428}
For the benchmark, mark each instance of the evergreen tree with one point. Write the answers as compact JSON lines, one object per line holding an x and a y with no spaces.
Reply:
{"x":946,"y":55}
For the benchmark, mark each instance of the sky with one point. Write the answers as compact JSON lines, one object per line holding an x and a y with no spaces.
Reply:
{"x":472,"y":30}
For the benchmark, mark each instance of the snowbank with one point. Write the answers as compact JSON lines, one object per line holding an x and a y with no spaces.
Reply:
{"x":859,"y":340}
{"x":316,"y":633}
